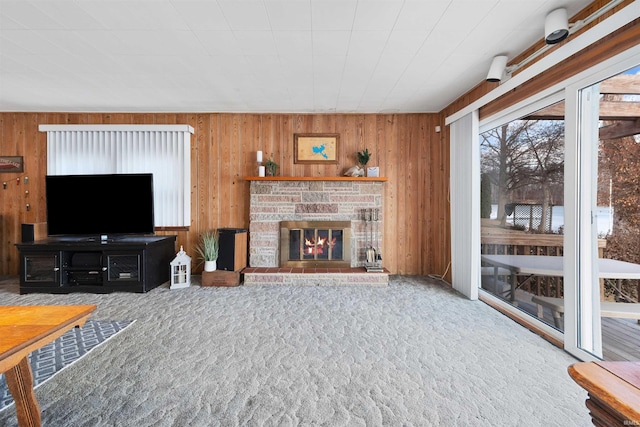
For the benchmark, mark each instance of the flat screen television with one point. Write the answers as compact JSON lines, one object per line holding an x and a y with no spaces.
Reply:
{"x":99,"y":205}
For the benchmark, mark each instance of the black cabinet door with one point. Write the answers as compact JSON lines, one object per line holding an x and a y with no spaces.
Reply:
{"x":124,"y":267}
{"x":41,"y":269}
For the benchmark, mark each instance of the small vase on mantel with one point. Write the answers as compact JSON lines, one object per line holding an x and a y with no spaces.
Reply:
{"x":211,"y":265}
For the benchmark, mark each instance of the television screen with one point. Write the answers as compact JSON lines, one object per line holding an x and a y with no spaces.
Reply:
{"x":96,"y":205}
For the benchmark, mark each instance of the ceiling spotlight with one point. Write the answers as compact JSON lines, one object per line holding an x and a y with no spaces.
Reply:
{"x":497,"y":69}
{"x":556,"y":26}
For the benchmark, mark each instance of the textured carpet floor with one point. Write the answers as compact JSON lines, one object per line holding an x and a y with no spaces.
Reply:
{"x":51,"y":359}
{"x":412,"y":354}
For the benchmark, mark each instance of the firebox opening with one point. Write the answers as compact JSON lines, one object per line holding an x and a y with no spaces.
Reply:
{"x":315,"y":244}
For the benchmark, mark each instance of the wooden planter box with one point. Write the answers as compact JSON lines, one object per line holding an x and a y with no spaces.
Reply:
{"x":220,"y":278}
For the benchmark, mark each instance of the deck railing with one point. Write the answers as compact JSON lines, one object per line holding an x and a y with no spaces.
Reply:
{"x":495,"y":241}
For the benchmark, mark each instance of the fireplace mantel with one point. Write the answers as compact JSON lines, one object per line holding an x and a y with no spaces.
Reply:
{"x":315,"y":178}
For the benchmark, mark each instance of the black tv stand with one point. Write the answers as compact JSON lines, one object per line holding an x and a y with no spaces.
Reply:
{"x":64,"y":265}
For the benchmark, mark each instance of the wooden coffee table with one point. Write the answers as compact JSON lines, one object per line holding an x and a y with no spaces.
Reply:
{"x":614,"y":391}
{"x":24,"y":329}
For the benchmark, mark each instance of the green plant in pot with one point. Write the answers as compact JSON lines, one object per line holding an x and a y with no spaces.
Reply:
{"x":363,"y":159}
{"x":271,"y":167}
{"x":207,"y":249}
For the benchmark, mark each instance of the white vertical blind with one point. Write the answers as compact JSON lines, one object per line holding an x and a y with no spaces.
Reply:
{"x":464,"y":191}
{"x":164,"y":151}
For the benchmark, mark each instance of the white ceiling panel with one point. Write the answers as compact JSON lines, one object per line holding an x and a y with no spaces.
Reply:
{"x":71,"y":16}
{"x":201,"y":15}
{"x":289,"y":15}
{"x":257,"y":55}
{"x":27,"y":15}
{"x":464,"y":16}
{"x":18,"y":42}
{"x":103,"y":42}
{"x":256,"y":42}
{"x":419,"y":15}
{"x":376,"y":15}
{"x":406,"y":43}
{"x":66,"y":42}
{"x":154,"y":15}
{"x":245,"y":15}
{"x":293,"y":43}
{"x":217,"y":43}
{"x":368,"y":44}
{"x":333,"y":14}
{"x":112,"y":16}
{"x":330,"y":42}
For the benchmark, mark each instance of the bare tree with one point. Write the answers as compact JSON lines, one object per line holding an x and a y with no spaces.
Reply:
{"x":545,"y":140}
{"x":524,"y":154}
{"x":502,"y":160}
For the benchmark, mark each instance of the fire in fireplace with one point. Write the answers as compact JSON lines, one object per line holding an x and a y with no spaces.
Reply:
{"x":315,"y":244}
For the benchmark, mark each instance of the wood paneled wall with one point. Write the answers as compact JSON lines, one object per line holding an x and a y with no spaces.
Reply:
{"x":406,"y":147}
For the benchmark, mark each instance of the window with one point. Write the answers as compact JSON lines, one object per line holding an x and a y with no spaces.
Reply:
{"x":163,"y":150}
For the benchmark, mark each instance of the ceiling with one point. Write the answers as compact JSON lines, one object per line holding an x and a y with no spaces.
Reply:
{"x":320,"y":56}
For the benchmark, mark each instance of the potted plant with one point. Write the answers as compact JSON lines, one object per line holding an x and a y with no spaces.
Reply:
{"x":207,"y":249}
{"x":363,"y":158}
{"x":271,"y":167}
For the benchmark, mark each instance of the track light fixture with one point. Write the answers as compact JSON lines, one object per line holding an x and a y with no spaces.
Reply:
{"x":497,"y":68}
{"x":556,"y":29}
{"x":556,"y":26}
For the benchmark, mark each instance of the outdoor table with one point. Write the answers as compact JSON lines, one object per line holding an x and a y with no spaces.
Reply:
{"x":543,"y":265}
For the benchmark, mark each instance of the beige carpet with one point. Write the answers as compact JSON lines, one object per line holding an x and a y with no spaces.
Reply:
{"x":411,"y":354}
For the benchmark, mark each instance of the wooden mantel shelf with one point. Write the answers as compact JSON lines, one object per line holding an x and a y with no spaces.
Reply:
{"x":314,"y":178}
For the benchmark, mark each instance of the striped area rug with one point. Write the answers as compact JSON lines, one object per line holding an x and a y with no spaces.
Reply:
{"x":70,"y":347}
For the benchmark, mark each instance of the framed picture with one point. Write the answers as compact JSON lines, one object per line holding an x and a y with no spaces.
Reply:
{"x":373,"y":171}
{"x":315,"y":148}
{"x":11,"y":164}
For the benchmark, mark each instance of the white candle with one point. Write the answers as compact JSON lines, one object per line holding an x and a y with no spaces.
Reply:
{"x":259,"y":157}
{"x":260,"y":170}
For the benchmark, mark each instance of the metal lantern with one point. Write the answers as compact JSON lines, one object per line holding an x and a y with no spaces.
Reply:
{"x":181,"y":270}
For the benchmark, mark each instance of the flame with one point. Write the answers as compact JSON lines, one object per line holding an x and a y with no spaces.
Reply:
{"x":314,"y":246}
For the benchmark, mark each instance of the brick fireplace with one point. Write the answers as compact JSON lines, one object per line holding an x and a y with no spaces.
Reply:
{"x":335,"y":204}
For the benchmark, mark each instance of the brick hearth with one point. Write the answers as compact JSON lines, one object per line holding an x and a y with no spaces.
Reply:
{"x":314,"y":276}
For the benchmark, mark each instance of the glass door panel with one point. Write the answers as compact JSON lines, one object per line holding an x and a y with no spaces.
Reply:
{"x":617,"y":214}
{"x":522,"y":213}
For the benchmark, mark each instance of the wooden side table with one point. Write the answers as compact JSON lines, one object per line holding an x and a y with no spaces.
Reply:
{"x":614,"y":391}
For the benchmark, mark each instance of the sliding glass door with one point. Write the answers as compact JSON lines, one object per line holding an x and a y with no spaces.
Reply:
{"x":607,"y":310}
{"x":560,"y":211}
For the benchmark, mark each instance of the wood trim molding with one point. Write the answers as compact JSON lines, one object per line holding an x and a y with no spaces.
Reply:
{"x":314,"y":178}
{"x":113,"y":128}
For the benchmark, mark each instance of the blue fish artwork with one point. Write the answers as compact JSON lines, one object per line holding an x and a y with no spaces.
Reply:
{"x":319,"y":149}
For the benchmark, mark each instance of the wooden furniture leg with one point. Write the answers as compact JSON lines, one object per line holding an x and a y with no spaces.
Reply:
{"x":20,"y":384}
